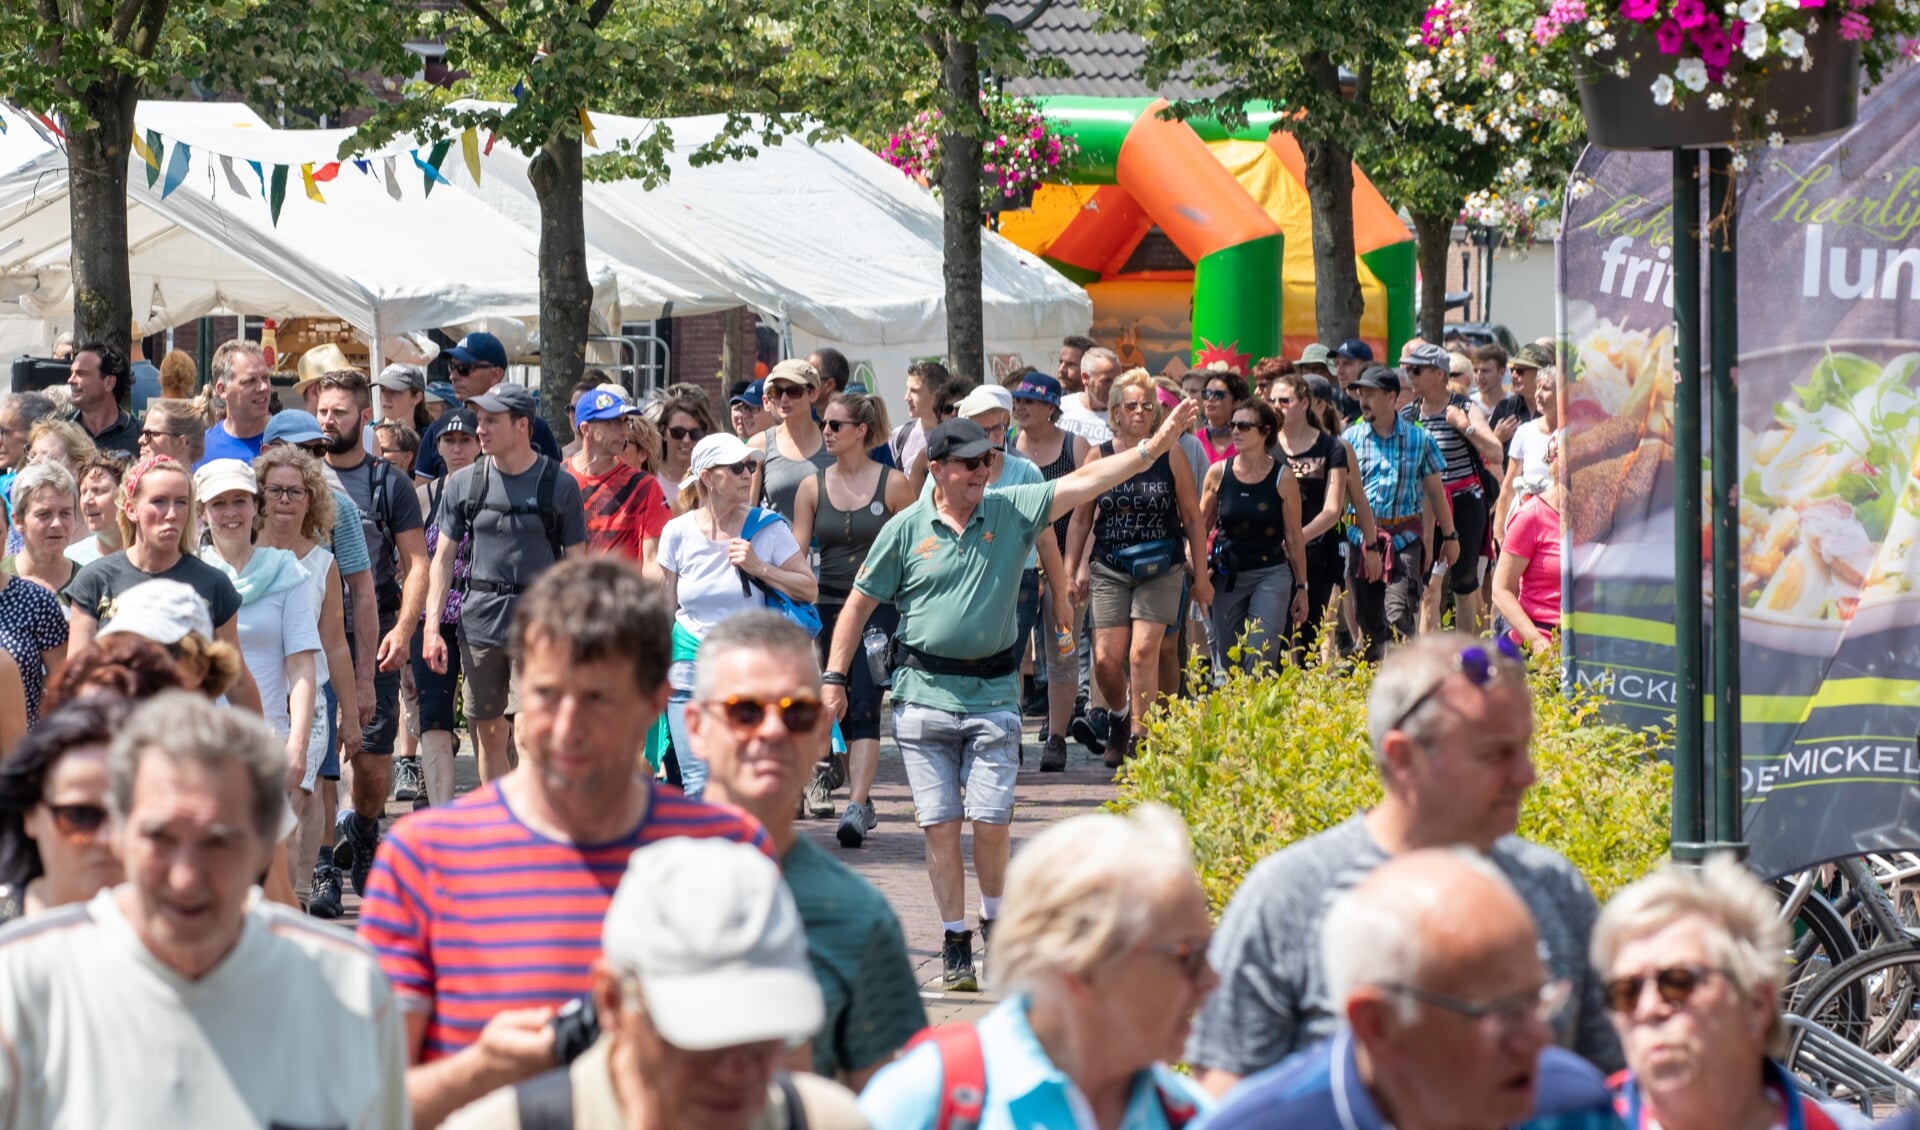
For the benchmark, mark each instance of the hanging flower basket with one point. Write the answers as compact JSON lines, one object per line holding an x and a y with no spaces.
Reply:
{"x":1019,"y":152}
{"x":1815,"y":96}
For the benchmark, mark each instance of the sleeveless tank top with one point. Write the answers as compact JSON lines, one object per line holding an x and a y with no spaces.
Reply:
{"x":1142,"y":509}
{"x":1455,"y":448}
{"x":1253,"y":518}
{"x":845,"y":536}
{"x":1060,"y":468}
{"x":780,"y":479}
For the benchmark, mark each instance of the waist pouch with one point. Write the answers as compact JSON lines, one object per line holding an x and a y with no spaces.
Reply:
{"x":991,"y":667}
{"x":1145,"y":560}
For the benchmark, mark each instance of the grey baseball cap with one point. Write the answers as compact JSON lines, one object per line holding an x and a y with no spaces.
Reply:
{"x":505,"y":397}
{"x":1426,"y":354}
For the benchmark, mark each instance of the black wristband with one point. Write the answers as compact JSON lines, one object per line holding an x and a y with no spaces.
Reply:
{"x":1454,"y":536}
{"x":1370,"y":547}
{"x":834,"y":679}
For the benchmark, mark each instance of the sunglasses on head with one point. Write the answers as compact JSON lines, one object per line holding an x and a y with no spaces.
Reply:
{"x":78,"y":821}
{"x":1477,"y":663}
{"x":1675,"y":984}
{"x":746,"y":714}
{"x":679,"y":433}
{"x":1190,"y":956}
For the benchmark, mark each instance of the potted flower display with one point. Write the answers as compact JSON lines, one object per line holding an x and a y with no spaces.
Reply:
{"x":1019,"y":153}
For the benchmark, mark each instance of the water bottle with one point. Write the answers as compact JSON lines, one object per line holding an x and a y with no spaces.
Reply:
{"x":879,"y":652}
{"x":1063,"y":640}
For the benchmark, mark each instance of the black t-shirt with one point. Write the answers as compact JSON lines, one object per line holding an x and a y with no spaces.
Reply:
{"x":97,"y":587}
{"x":1310,"y":471}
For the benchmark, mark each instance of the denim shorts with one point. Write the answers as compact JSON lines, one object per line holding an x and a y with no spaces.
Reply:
{"x":950,"y":756}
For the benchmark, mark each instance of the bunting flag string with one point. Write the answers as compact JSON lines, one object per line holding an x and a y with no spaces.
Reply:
{"x":393,"y":181}
{"x":277,"y":194}
{"x":261,"y":173}
{"x":140,"y":147}
{"x":431,"y":166}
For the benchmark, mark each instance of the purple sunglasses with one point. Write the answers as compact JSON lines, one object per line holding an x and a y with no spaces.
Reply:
{"x":1477,"y":663}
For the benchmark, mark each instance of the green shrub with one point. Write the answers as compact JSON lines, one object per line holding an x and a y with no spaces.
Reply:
{"x":1268,"y":759}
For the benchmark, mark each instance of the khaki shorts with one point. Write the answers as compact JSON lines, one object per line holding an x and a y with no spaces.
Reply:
{"x":1119,"y":599}
{"x":491,"y":690}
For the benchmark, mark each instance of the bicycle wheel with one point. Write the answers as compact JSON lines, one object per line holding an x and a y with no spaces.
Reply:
{"x":1871,"y":1001}
{"x":1821,"y":941}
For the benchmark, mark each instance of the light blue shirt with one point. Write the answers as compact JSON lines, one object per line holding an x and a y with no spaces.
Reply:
{"x":1016,"y":470}
{"x":1025,"y":1091}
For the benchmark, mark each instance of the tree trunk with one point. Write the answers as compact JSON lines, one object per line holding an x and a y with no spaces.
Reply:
{"x":97,"y":203}
{"x":566,"y":293}
{"x":1337,"y":302}
{"x":960,"y":200}
{"x":1433,"y":237}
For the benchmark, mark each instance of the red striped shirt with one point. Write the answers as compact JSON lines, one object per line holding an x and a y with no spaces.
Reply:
{"x":472,"y":912}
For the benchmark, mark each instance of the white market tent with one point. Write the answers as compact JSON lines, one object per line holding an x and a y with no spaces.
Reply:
{"x":827,"y":241}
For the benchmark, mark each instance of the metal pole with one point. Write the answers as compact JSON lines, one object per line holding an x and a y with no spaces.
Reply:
{"x":1689,"y":770}
{"x":1724,"y":315}
{"x":203,"y":349}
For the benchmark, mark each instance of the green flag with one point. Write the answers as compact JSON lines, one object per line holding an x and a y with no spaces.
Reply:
{"x":277,"y":194}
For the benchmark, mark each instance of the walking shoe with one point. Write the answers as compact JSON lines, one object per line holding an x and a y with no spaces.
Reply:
{"x":1090,"y":730}
{"x":342,"y":842}
{"x":1035,"y":704}
{"x":956,"y":961}
{"x":818,"y":798}
{"x":1053,"y":755}
{"x":363,"y":838}
{"x":836,"y":772}
{"x":853,"y":827}
{"x":408,"y":785}
{"x":980,"y":963}
{"x":324,"y":901}
{"x":1119,"y":748}
{"x":868,"y":816}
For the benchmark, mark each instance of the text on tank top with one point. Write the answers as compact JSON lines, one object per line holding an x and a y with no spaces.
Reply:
{"x":1142,"y":509}
{"x":1311,"y":470}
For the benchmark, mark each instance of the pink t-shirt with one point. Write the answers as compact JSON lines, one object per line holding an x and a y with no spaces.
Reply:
{"x":1533,"y":532}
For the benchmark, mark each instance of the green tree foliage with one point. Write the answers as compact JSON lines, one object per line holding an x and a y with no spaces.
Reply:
{"x":89,"y":62}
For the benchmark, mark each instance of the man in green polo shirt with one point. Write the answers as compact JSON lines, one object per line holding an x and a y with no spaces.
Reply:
{"x":951,"y":563}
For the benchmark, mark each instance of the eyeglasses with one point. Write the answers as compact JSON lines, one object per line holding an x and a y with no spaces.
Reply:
{"x":287,"y":494}
{"x":147,"y":435}
{"x":1190,"y":956}
{"x":1675,"y":984}
{"x":1215,"y":394}
{"x":1475,"y":662}
{"x":78,"y":821}
{"x":1137,"y":405}
{"x":745,"y":714}
{"x":1244,"y":425}
{"x":694,"y":434}
{"x":1282,"y":401}
{"x":787,"y":392}
{"x":1505,"y":1014}
{"x":836,"y":425}
{"x":743,"y":469}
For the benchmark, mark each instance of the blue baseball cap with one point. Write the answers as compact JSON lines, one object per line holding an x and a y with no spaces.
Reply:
{"x":1353,"y":349}
{"x":753,"y":396}
{"x":291,"y":425}
{"x":1038,"y":386}
{"x":480,"y":349}
{"x":599,"y":405}
{"x":443,"y":392}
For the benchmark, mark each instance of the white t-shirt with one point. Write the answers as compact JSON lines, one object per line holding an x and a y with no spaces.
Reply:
{"x":1529,"y":445}
{"x":272,"y":628}
{"x":707,"y":585}
{"x":101,"y":1036}
{"x":318,"y":560}
{"x":1078,"y":419}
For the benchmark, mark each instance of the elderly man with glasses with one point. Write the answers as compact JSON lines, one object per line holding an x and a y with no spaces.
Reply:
{"x":1451,"y":723}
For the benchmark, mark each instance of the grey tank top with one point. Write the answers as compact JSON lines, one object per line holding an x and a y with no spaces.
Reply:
{"x":845,"y":536}
{"x":781,"y":478}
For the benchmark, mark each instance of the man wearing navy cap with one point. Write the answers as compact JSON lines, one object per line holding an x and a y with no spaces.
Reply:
{"x":748,"y":410}
{"x":625,"y":509}
{"x":476,"y":364}
{"x":1350,"y":359}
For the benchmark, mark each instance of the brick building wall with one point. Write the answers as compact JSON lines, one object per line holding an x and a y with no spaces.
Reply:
{"x":698,"y":351}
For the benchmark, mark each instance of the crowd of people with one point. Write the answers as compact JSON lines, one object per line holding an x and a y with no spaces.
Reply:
{"x":227,"y":656}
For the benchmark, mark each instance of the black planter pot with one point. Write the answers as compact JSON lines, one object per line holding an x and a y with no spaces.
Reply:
{"x":1821,"y":102}
{"x":1018,"y":202}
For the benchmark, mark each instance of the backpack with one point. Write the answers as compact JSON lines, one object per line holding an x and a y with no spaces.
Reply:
{"x":543,"y":491}
{"x":803,"y":614}
{"x":963,"y":1075}
{"x":545,"y":1102}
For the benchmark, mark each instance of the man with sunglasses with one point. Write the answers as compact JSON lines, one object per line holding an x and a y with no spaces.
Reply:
{"x":758,"y":723}
{"x":952,"y":563}
{"x":475,"y":365}
{"x":1400,"y":467}
{"x":486,"y":913}
{"x":1451,"y":721}
{"x":1445,"y":1008}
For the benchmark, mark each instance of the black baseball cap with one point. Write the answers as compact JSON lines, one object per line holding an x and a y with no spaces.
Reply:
{"x":1379,"y":377}
{"x":457,"y":421}
{"x":957,"y":439}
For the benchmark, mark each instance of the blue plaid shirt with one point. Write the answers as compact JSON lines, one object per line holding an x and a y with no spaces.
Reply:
{"x":1392,"y":468}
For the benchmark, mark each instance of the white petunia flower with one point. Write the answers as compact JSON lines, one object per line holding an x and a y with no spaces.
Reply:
{"x":1752,"y":10}
{"x":1692,"y":74}
{"x":1792,"y":44}
{"x":1663,"y":90}
{"x":1606,"y":42}
{"x":1580,"y":188}
{"x":1522,"y":169}
{"x":1753,"y":41}
{"x":1716,"y":101}
{"x":1774,"y":140}
{"x":1479,"y":136}
{"x":1739,"y":162}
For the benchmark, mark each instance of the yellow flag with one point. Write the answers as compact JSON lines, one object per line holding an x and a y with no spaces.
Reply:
{"x":470,"y":151}
{"x":306,"y":178}
{"x":586,"y":128}
{"x":140,"y":147}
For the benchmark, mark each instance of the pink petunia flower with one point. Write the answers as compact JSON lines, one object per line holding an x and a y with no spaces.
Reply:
{"x":1669,"y":38}
{"x":1639,"y":11}
{"x":1689,"y":14}
{"x":1855,"y":26}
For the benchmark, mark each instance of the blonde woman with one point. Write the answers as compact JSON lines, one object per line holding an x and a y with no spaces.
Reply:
{"x":173,"y":428}
{"x":60,"y":441}
{"x":1131,"y":548}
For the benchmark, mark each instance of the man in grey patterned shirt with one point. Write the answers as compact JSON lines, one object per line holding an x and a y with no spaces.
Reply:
{"x":1451,"y":723}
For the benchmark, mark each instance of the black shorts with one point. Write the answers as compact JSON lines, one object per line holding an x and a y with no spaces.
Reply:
{"x":1470,"y":525}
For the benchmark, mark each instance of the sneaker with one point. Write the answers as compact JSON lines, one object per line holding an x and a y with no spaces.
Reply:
{"x":342,"y":842}
{"x":1089,"y":730}
{"x":853,"y":827}
{"x":818,"y":798}
{"x":1119,"y":748}
{"x":868,"y":815}
{"x":836,"y":771}
{"x":408,"y":785}
{"x":363,"y":837}
{"x":1053,"y":755}
{"x":956,"y":961}
{"x":324,"y":901}
{"x":1035,"y":704}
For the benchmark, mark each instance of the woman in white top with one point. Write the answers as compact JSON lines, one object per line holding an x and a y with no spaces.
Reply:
{"x":706,"y":563}
{"x":1530,"y":452}
{"x":298,"y":514}
{"x":279,"y":633}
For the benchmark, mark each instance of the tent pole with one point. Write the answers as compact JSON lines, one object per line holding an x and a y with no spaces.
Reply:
{"x":1689,"y":770}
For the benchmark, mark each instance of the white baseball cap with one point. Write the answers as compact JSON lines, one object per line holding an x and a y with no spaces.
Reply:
{"x":219,"y":476}
{"x":710,"y":931}
{"x":160,"y":610}
{"x":985,"y":399}
{"x":721,"y":449}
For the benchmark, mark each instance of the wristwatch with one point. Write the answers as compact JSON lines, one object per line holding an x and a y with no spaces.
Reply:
{"x":1451,"y":535}
{"x":1370,"y":547}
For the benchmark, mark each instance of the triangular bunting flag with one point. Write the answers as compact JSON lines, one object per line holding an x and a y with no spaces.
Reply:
{"x":262,"y":175}
{"x":586,"y":129}
{"x":470,"y":152}
{"x":327,"y":172}
{"x":430,"y":166}
{"x":363,"y":165}
{"x":47,"y":120}
{"x":140,"y":147}
{"x":313,"y":190}
{"x":233,"y":179}
{"x":393,"y":181}
{"x":277,"y":195}
{"x":156,"y":147}
{"x":491,"y":138}
{"x":176,"y":168}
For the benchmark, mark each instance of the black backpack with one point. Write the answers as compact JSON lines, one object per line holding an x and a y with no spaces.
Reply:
{"x":545,"y":1102}
{"x":476,"y":500}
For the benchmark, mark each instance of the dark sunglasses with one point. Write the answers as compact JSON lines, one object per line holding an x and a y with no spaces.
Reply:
{"x":950,"y":409}
{"x":787,"y":392}
{"x":1477,"y":663}
{"x":1675,"y":984}
{"x":1190,"y":956}
{"x":695,"y":434}
{"x":972,"y":462}
{"x":1245,"y":425}
{"x":1215,"y":394}
{"x":836,"y":425}
{"x":78,"y":821}
{"x":1282,"y":401}
{"x":744,"y":468}
{"x":798,"y":715}
{"x":1137,"y":405}
{"x":460,"y":370}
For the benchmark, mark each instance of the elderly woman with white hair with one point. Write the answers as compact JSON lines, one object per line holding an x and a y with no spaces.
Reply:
{"x":1693,"y":967}
{"x":1101,"y":947}
{"x":33,"y":622}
